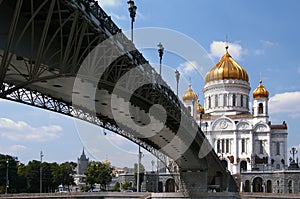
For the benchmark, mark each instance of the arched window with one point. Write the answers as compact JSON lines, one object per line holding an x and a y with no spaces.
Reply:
{"x":243,"y":166}
{"x":261,"y":147}
{"x":209,"y":102}
{"x":218,"y":146}
{"x":225,"y":100}
{"x":216,"y":101}
{"x":223,"y":145}
{"x":233,"y":99}
{"x":269,"y":186}
{"x":247,"y":186}
{"x":260,"y":108}
{"x":277,"y":148}
{"x":290,"y":186}
{"x":227,"y":145}
{"x":243,"y":145}
{"x":257,"y":184}
{"x":242,"y":100}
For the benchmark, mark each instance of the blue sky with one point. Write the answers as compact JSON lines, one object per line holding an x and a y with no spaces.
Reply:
{"x":263,"y":37}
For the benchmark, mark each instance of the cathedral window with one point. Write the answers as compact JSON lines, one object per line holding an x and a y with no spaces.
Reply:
{"x":209,"y":102}
{"x":223,"y":145}
{"x":233,"y":99}
{"x":225,"y":100}
{"x":216,"y":101}
{"x":277,"y":166}
{"x":189,"y":108}
{"x":242,"y":100}
{"x":227,"y":145}
{"x":261,"y":147}
{"x":243,"y":145}
{"x":277,"y":148}
{"x":260,"y":108}
{"x":218,"y":146}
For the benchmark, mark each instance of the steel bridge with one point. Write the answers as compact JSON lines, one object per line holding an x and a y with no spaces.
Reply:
{"x":69,"y":57}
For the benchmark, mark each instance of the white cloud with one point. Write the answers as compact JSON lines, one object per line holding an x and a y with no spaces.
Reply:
{"x":17,"y":148}
{"x":287,"y":102}
{"x":18,"y":131}
{"x":190,"y":67}
{"x":266,"y":43}
{"x":217,"y":49}
{"x":119,"y":17}
{"x":109,"y":3}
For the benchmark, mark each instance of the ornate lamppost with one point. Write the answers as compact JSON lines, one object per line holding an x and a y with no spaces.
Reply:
{"x":7,"y":181}
{"x":293,"y":151}
{"x":132,"y":11}
{"x":160,"y":53}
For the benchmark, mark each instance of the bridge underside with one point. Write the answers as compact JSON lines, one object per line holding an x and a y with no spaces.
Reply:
{"x":69,"y":57}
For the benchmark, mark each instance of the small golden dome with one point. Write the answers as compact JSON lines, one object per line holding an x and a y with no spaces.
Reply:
{"x":226,"y":68}
{"x":260,"y":91}
{"x":107,"y":162}
{"x":200,"y":109}
{"x":189,"y":95}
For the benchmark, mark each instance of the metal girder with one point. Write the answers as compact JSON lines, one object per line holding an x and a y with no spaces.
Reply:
{"x":43,"y":101}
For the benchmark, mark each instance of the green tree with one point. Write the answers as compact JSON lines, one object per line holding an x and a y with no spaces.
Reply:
{"x":32,"y":174}
{"x":64,"y":174}
{"x":8,"y":165}
{"x":22,"y":182}
{"x":98,"y":172}
{"x":127,"y":186}
{"x":117,"y":187}
{"x":142,"y":173}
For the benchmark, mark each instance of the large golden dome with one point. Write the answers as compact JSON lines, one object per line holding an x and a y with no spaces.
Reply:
{"x":189,"y":95}
{"x":260,"y":91}
{"x":226,"y":68}
{"x":199,"y":108}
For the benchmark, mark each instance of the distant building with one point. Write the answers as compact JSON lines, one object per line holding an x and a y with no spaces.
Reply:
{"x":82,"y":163}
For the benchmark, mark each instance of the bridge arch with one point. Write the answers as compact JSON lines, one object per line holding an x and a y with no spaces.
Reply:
{"x":43,"y":74}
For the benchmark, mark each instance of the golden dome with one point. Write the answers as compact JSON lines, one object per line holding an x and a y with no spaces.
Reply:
{"x":226,"y":68}
{"x":200,"y":109}
{"x":260,"y":91}
{"x":107,"y":162}
{"x":189,"y":95}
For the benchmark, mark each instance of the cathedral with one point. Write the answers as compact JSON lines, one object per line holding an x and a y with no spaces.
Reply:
{"x":243,"y":137}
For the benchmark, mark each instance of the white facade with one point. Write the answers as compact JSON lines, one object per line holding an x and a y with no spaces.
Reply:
{"x":243,"y":140}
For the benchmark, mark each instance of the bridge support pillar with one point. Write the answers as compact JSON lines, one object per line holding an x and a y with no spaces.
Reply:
{"x":194,"y":182}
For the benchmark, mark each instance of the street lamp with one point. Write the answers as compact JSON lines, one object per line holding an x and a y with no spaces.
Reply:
{"x":293,"y":151}
{"x":132,"y":10}
{"x":177,"y":75}
{"x":7,"y":181}
{"x":41,"y":172}
{"x":160,"y":53}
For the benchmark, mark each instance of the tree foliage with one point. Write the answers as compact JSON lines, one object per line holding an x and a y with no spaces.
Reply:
{"x":8,"y":165}
{"x":26,"y":178}
{"x":98,"y":173}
